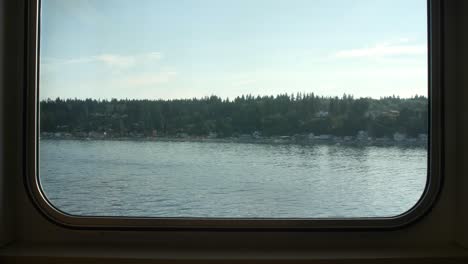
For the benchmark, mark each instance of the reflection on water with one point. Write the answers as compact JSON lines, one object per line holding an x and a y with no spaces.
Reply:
{"x":190,"y":179}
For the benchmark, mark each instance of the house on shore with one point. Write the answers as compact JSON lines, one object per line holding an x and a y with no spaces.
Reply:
{"x":362,"y":136}
{"x":399,"y":136}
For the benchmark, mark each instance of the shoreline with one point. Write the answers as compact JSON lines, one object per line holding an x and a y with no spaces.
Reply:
{"x":412,"y":142}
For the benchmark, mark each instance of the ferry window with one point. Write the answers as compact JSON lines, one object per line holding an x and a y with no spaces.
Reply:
{"x":233,"y":109}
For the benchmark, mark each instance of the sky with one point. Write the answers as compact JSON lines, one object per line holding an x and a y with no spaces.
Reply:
{"x":171,"y":49}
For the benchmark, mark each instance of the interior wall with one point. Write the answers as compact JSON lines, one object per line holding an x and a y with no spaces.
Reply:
{"x":438,"y":228}
{"x":457,"y":76}
{"x":3,"y":235}
{"x":10,"y":138}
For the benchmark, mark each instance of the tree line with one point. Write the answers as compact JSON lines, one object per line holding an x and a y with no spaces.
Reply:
{"x":281,"y":115}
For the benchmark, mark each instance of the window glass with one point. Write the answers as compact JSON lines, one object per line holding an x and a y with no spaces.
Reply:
{"x":233,"y":109}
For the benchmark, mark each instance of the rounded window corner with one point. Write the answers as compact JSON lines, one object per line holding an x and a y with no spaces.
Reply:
{"x":421,"y":209}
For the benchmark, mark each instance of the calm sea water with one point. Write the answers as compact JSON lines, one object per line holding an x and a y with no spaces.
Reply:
{"x":190,"y":179}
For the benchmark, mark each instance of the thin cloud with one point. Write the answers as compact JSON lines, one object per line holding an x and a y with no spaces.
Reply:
{"x":383,"y":50}
{"x":111,"y":60}
{"x":116,"y":60}
{"x":148,"y":79}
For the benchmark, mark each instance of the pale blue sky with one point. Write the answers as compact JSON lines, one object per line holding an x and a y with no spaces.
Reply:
{"x":192,"y":48}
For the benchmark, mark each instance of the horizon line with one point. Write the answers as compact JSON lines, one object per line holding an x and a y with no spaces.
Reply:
{"x":231,"y":98}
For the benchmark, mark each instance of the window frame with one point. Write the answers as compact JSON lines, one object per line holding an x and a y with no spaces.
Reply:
{"x":419,"y":210}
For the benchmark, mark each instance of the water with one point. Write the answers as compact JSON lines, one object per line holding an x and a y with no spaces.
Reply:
{"x":190,"y":179}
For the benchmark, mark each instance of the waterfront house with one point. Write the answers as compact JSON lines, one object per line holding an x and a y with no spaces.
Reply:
{"x":399,"y":136}
{"x":362,"y":135}
{"x":257,"y":134}
{"x":212,"y":135}
{"x":323,"y":137}
{"x":422,"y":137}
{"x":321,"y":114}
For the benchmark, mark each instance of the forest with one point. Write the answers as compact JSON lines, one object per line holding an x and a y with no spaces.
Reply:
{"x":281,"y":115}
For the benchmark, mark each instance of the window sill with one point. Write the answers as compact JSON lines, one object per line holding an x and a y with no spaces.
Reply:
{"x":53,"y":253}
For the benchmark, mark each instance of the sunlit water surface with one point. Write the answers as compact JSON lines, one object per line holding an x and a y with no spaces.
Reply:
{"x":193,"y":179}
